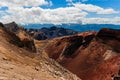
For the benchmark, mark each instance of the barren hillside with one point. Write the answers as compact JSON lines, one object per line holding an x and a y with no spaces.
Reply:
{"x":18,"y":61}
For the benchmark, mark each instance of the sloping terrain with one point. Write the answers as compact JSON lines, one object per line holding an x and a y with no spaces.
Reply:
{"x":21,"y":35}
{"x":90,"y":55}
{"x":19,"y":62}
{"x":18,"y":30}
{"x":39,"y":34}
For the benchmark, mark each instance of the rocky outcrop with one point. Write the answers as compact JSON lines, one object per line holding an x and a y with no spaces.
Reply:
{"x":13,"y":27}
{"x":28,"y":44}
{"x":1,"y":25}
{"x":16,"y":40}
{"x":18,"y":30}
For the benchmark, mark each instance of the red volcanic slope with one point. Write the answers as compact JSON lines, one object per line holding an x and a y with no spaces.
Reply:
{"x":89,"y":55}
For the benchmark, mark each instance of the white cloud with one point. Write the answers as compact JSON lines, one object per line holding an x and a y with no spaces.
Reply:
{"x":107,"y":11}
{"x":94,"y":8}
{"x":115,"y":20}
{"x":74,"y":14}
{"x":39,"y":15}
{"x":21,"y":3}
{"x":69,"y":0}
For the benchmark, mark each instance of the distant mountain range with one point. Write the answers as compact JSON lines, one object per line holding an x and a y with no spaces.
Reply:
{"x":76,"y":27}
{"x":49,"y":31}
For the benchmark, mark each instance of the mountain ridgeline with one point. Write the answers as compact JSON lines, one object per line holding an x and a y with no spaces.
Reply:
{"x":76,"y":27}
{"x":49,"y":31}
{"x":41,"y":34}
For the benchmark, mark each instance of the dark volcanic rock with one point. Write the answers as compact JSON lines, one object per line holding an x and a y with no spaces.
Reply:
{"x":49,"y":33}
{"x":74,"y":44}
{"x":40,"y":36}
{"x":1,"y":24}
{"x":13,"y":27}
{"x":106,"y":33}
{"x":110,"y":37}
{"x":12,"y":38}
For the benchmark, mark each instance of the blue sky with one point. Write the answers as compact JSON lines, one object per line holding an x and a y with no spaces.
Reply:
{"x":102,"y":3}
{"x":60,"y":11}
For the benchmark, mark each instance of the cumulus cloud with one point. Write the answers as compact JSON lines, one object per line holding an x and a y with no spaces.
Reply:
{"x":21,"y":3}
{"x":94,"y":8}
{"x":76,"y":13}
{"x":39,"y":15}
{"x":115,"y":20}
{"x":107,"y":11}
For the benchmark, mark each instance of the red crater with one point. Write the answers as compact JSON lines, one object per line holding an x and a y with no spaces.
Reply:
{"x":90,"y":55}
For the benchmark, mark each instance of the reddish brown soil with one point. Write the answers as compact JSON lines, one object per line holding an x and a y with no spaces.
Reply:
{"x":89,"y":55}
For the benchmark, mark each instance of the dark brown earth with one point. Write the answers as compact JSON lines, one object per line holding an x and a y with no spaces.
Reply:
{"x":18,"y":40}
